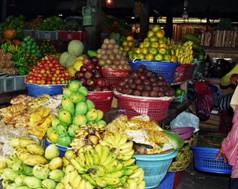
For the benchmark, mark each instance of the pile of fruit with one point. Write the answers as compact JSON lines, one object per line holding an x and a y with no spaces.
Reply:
{"x":32,"y":166}
{"x":29,"y":113}
{"x":52,"y":23}
{"x":29,"y":46}
{"x":110,"y":55}
{"x":143,"y":82}
{"x":76,"y":111}
{"x":7,"y":65}
{"x":184,"y":52}
{"x":48,"y":71}
{"x":154,"y":47}
{"x":47,"y":48}
{"x":75,"y":49}
{"x":79,"y":61}
{"x":147,"y":136}
{"x":91,"y":76}
{"x":128,"y":44}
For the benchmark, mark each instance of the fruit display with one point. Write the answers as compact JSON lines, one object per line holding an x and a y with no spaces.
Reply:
{"x":29,"y":46}
{"x":184,"y":52}
{"x":46,"y":48}
{"x":128,"y":44}
{"x":48,"y":71}
{"x":51,"y":23}
{"x":7,"y":65}
{"x":143,"y":82}
{"x":35,"y":23}
{"x":76,"y":110}
{"x":79,"y":61}
{"x":146,"y":134}
{"x":154,"y":47}
{"x":111,"y":55}
{"x":75,"y":49}
{"x":29,"y":113}
{"x":91,"y":76}
{"x":31,"y":166}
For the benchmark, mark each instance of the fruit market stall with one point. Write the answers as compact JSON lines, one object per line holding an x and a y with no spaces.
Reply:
{"x":62,"y":137}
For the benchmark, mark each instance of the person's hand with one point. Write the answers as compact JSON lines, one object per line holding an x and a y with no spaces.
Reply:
{"x":221,"y":154}
{"x":234,"y":79}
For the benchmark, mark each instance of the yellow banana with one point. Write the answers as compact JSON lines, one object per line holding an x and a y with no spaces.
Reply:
{"x":76,"y":182}
{"x":128,"y":162}
{"x":78,"y":167}
{"x":137,"y":173}
{"x":82,"y":184}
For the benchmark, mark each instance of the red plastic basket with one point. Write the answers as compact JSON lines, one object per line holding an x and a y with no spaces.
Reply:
{"x":71,"y":35}
{"x":184,"y":72}
{"x":101,"y":99}
{"x":155,"y":108}
{"x":114,"y":76}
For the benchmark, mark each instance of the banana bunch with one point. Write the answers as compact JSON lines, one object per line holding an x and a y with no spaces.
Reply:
{"x":40,"y":121}
{"x":184,"y":53}
{"x":39,"y":101}
{"x":87,"y":136}
{"x":123,"y":148}
{"x":100,"y":167}
{"x":28,"y":151}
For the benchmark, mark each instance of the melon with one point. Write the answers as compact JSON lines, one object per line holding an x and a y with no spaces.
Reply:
{"x":70,"y":60}
{"x":63,"y":58}
{"x":75,"y":47}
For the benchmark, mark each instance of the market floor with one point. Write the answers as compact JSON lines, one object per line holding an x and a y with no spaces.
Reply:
{"x":193,"y":179}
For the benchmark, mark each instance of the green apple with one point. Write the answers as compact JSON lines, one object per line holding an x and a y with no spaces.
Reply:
{"x":81,"y":108}
{"x":66,"y":93}
{"x":153,"y":51}
{"x":74,"y":85}
{"x":90,"y":104}
{"x":92,"y":115}
{"x":83,"y":90}
{"x":77,"y":97}
{"x":159,"y":57}
{"x":99,"y":115}
{"x":65,"y":117}
{"x":55,"y":122}
{"x":101,"y":123}
{"x":68,"y":105}
{"x":80,"y":120}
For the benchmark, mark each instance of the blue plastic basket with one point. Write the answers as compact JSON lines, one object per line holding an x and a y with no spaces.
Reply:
{"x":163,"y":68}
{"x":62,"y":149}
{"x":37,"y":90}
{"x":155,"y":167}
{"x":168,"y":181}
{"x":204,"y":160}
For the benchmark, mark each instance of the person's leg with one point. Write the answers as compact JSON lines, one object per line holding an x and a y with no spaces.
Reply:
{"x":234,"y":183}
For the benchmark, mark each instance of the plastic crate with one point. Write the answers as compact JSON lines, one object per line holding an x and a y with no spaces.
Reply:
{"x":47,"y":35}
{"x":71,"y":35}
{"x":9,"y":84}
{"x":155,"y":167}
{"x":163,"y":68}
{"x":168,"y":181}
{"x":31,"y":33}
{"x":101,"y":99}
{"x":155,"y":107}
{"x":20,"y":83}
{"x":2,"y":83}
{"x":204,"y":160}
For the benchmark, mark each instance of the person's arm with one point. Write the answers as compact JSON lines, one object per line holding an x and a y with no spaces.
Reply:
{"x":234,"y":79}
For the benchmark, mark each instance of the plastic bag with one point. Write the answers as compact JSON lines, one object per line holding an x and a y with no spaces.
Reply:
{"x":185,"y":119}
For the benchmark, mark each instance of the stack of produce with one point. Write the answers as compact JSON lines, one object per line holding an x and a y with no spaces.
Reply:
{"x":24,"y":55}
{"x":154,"y":47}
{"x":47,"y":48}
{"x":111,"y":56}
{"x":75,"y":49}
{"x":30,"y":166}
{"x":6,"y":63}
{"x":52,"y":23}
{"x":13,"y":27}
{"x":128,"y":44}
{"x":35,"y":23}
{"x":48,"y":71}
{"x":184,"y":52}
{"x":76,"y":111}
{"x":143,"y":82}
{"x":90,"y":74}
{"x":146,"y":134}
{"x":29,"y":113}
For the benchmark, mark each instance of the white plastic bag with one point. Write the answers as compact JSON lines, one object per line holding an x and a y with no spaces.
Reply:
{"x":185,"y":119}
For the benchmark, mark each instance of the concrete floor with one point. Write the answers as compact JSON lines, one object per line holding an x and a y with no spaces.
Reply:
{"x":193,"y":179}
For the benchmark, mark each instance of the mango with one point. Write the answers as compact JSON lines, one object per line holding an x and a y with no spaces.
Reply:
{"x":68,"y":105}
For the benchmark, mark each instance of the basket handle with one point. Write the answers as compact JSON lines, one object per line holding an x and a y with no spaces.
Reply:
{"x":135,"y":60}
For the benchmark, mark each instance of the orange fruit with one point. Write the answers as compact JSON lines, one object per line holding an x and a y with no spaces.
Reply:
{"x":160,"y":34}
{"x":155,"y":45}
{"x":174,"y":58}
{"x":149,"y":57}
{"x":144,"y":51}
